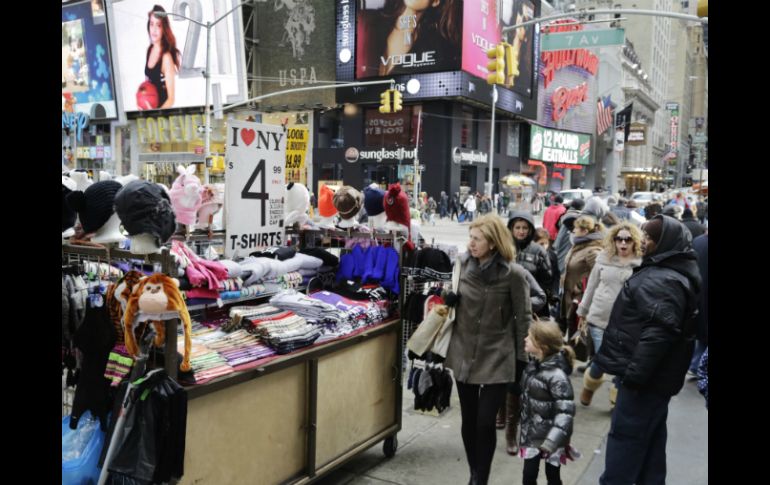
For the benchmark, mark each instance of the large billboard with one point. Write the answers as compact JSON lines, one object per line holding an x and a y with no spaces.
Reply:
{"x":296,"y":49}
{"x":567,"y":86}
{"x":161,"y":61}
{"x":86,"y":73}
{"x":560,"y":147}
{"x":523,"y":40}
{"x":407,"y":37}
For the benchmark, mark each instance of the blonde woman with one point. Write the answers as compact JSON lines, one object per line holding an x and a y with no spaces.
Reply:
{"x":614,"y":265}
{"x":587,"y":236}
{"x":493,"y":314}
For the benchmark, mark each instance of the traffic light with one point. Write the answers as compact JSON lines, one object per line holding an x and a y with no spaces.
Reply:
{"x":703,"y":8}
{"x":397,"y":106}
{"x":496,"y":65}
{"x":385,"y":102}
{"x":511,"y":64}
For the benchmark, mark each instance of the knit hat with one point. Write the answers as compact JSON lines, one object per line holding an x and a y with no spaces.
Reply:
{"x":68,"y":216}
{"x":396,"y":205}
{"x":373,"y":200}
{"x":348,"y":202}
{"x":654,"y":229}
{"x":145,"y":208}
{"x":95,"y":205}
{"x":325,"y":203}
{"x":577,"y":204}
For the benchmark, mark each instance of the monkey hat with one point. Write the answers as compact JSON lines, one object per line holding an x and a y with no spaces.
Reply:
{"x":157,"y":297}
{"x":396,"y":205}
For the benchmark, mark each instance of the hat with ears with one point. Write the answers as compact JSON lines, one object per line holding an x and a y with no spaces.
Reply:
{"x":95,"y":205}
{"x":396,"y":205}
{"x":373,"y":197}
{"x":348,"y":202}
{"x":325,"y":202}
{"x":210,"y":197}
{"x":297,"y":198}
{"x":186,"y":195}
{"x":145,"y":208}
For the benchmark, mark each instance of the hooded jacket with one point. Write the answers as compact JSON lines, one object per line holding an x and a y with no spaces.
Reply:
{"x":492,"y":320}
{"x":578,"y":265}
{"x":532,"y":256}
{"x":604,"y":284}
{"x":547,"y":404}
{"x":696,"y":228}
{"x":650,"y":336}
{"x":562,"y":244}
{"x":551,"y":217}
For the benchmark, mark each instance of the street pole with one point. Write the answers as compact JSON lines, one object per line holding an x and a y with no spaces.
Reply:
{"x":492,"y":142}
{"x":207,"y":135}
{"x":416,"y":158}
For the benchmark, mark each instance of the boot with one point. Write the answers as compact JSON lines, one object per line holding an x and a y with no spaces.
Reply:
{"x":500,"y":419}
{"x":613,"y":396}
{"x":589,"y":386}
{"x":511,"y":424}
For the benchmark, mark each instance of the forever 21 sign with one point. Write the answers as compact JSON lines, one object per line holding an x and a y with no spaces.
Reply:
{"x":254,"y":187}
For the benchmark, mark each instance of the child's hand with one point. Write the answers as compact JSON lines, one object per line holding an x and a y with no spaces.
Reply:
{"x":544,"y":453}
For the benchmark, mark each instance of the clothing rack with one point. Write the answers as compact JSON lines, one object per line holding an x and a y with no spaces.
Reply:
{"x":162,"y":262}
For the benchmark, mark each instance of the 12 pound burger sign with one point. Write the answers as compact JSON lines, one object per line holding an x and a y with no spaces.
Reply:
{"x":254,"y":187}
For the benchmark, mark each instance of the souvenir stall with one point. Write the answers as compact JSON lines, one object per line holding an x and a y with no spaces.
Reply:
{"x":290,"y":357}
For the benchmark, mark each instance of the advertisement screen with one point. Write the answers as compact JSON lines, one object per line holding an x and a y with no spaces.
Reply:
{"x":86,"y":73}
{"x":513,"y":12}
{"x":557,"y":146}
{"x":391,"y":129}
{"x":161,"y":60}
{"x":407,"y":37}
{"x":480,"y":33}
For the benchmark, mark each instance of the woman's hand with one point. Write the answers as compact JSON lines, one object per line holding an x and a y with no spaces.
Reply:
{"x":581,"y":324}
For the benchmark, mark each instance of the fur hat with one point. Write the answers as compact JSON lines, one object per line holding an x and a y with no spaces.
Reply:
{"x":325,"y":202}
{"x":95,"y":205}
{"x":145,"y":208}
{"x":396,"y":205}
{"x":373,"y":200}
{"x":348,"y":202}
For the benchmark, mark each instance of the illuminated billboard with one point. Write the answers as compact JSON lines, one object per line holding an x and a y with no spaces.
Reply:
{"x":407,"y":37}
{"x":86,"y":80}
{"x":161,"y":60}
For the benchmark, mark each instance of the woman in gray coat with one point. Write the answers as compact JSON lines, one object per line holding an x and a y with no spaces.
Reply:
{"x":493,"y":313}
{"x":621,"y":254}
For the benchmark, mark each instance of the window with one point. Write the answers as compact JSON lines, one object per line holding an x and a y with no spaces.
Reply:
{"x":330,"y":130}
{"x":391,"y":129}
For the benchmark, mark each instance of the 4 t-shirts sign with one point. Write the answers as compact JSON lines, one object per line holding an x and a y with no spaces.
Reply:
{"x":254,"y":187}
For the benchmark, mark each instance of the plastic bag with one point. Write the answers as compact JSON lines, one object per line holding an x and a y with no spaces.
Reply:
{"x":74,"y":443}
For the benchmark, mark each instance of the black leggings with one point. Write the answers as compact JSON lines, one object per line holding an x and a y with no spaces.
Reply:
{"x":532,"y":467}
{"x":478,"y":407}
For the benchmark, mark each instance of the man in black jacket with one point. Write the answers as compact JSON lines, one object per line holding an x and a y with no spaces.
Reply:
{"x":648,"y":345}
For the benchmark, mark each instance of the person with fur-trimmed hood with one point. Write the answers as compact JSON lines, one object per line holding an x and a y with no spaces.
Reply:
{"x":648,"y":345}
{"x":562,"y":243}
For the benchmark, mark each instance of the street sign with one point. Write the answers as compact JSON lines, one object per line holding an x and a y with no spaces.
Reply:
{"x":583,"y":39}
{"x":672,"y":106}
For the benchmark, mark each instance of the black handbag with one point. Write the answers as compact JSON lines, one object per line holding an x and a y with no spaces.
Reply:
{"x":582,"y":343}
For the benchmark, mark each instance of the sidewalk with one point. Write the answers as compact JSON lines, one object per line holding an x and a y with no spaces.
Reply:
{"x":430,"y":450}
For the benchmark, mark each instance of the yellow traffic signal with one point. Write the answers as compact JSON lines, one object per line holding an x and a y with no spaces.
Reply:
{"x":496,"y":65}
{"x":703,"y":8}
{"x":511,"y":64}
{"x":385,"y":102}
{"x":396,"y":100}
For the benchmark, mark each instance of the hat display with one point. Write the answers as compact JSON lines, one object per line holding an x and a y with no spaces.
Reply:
{"x":297,"y":204}
{"x":348,"y":202}
{"x":68,"y":216}
{"x":396,"y":205}
{"x":186,"y":195}
{"x":95,"y":204}
{"x":325,"y":202}
{"x":373,"y":197}
{"x":145,"y":208}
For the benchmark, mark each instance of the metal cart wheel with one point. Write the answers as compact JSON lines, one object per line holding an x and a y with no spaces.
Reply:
{"x":389,"y":446}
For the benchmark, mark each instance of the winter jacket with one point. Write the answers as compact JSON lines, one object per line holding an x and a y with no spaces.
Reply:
{"x":650,"y":337}
{"x":536,"y":295}
{"x":695,"y":227}
{"x":547,"y":404}
{"x":604,"y":284}
{"x":552,"y":214}
{"x":555,"y":274}
{"x":579,"y":263}
{"x":492,"y":319}
{"x":621,"y":211}
{"x":701,"y":247}
{"x":532,"y":256}
{"x":470,"y":204}
{"x":562,"y":244}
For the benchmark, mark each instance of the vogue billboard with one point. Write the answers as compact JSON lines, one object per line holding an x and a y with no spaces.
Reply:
{"x":407,"y":37}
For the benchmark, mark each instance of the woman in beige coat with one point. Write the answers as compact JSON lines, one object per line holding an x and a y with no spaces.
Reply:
{"x":493,"y":313}
{"x":587,"y":236}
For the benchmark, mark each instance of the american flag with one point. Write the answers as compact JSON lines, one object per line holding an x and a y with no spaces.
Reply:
{"x":604,"y":116}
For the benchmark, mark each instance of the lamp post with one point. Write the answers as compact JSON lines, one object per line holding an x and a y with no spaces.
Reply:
{"x":207,"y":75}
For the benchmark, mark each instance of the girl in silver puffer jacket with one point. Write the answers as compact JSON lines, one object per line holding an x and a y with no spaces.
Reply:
{"x":547,"y":405}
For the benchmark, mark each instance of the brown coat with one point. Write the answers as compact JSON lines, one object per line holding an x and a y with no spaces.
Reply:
{"x":493,"y":318}
{"x":578,"y":265}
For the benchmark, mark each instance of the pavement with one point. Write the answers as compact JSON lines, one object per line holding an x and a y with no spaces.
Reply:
{"x":430,"y":449}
